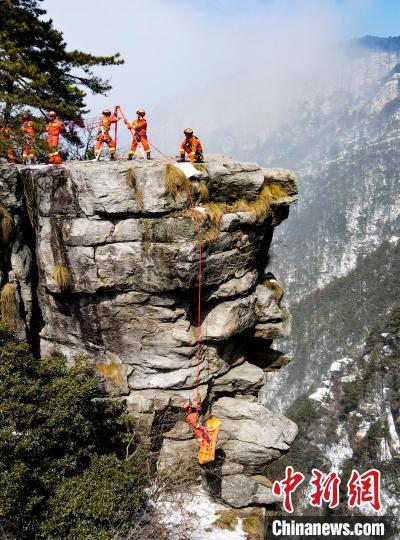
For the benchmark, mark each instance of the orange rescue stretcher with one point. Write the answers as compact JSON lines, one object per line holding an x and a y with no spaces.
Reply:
{"x":207,"y":450}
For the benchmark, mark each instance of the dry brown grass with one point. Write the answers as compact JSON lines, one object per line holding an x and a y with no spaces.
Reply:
{"x":261,"y":207}
{"x":276,"y":288}
{"x":132,"y":182}
{"x":7,"y":224}
{"x":214,"y":214}
{"x":195,"y":214}
{"x":211,"y":234}
{"x":111,"y":372}
{"x":62,"y":276}
{"x":253,"y":526}
{"x":8,"y":305}
{"x":176,"y":182}
{"x":278,"y":191}
{"x":227,"y":520}
{"x":242,"y":205}
{"x":203,"y":191}
{"x":200,"y":167}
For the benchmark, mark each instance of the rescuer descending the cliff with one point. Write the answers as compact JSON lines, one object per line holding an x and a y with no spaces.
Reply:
{"x":192,"y":411}
{"x":54,"y":128}
{"x":103,"y":136}
{"x":140,"y":133}
{"x":28,"y":131}
{"x":191,"y":146}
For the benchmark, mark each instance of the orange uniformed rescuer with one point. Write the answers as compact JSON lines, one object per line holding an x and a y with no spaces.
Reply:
{"x":5,"y":140}
{"x":192,"y":411}
{"x":140,"y":135}
{"x":103,"y":136}
{"x":28,"y":130}
{"x":54,"y":128}
{"x":191,"y":146}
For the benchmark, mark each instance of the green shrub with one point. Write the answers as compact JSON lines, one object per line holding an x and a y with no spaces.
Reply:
{"x":54,"y":436}
{"x":101,"y":503}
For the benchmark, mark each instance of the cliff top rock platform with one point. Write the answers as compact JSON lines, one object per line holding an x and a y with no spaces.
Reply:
{"x":104,"y":261}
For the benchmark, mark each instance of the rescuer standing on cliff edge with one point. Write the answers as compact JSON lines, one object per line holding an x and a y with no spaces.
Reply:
{"x":140,"y":134}
{"x":103,"y":136}
{"x":28,"y":130}
{"x":54,"y":128}
{"x":5,"y":143}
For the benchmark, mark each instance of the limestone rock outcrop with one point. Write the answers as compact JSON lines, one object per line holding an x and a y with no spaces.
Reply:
{"x":131,"y":254}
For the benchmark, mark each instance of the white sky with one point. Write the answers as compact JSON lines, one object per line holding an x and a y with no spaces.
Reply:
{"x":175,"y":49}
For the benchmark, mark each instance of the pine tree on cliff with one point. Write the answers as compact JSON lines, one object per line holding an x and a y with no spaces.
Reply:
{"x":36,"y":70}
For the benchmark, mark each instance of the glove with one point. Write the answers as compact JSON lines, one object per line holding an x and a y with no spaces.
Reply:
{"x":181,"y":160}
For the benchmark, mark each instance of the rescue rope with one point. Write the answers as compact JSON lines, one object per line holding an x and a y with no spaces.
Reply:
{"x":200,"y":266}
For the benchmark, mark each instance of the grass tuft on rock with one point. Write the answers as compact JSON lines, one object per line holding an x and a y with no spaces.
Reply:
{"x":176,"y":182}
{"x":8,"y":305}
{"x":214,"y":214}
{"x":195,"y":214}
{"x":242,"y":205}
{"x":227,"y":520}
{"x":261,"y":207}
{"x":132,"y":182}
{"x":276,"y":289}
{"x":62,"y":276}
{"x":200,"y":167}
{"x":203,"y":191}
{"x":253,"y":526}
{"x":7,"y":224}
{"x":277,"y":191}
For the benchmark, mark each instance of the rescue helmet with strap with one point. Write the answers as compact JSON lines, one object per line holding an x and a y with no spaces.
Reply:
{"x":141,"y":112}
{"x":26,"y":116}
{"x":52,"y":114}
{"x":188,"y":132}
{"x":106,"y":112}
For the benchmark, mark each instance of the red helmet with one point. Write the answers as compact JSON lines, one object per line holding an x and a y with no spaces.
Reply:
{"x":106,"y":112}
{"x":52,"y":114}
{"x":141,"y":112}
{"x":187,"y":406}
{"x":188,"y":131}
{"x":26,"y":116}
{"x":57,"y":160}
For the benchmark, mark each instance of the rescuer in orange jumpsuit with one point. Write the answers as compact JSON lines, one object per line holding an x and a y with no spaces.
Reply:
{"x":192,"y":411}
{"x":140,"y":135}
{"x":28,"y":130}
{"x":5,"y":140}
{"x":54,"y":128}
{"x":104,"y":137}
{"x":191,"y":145}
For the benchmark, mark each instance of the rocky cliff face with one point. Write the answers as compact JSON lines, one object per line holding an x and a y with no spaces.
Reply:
{"x":104,"y":261}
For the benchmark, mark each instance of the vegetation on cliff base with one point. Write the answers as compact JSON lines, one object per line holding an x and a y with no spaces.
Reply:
{"x":64,"y":469}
